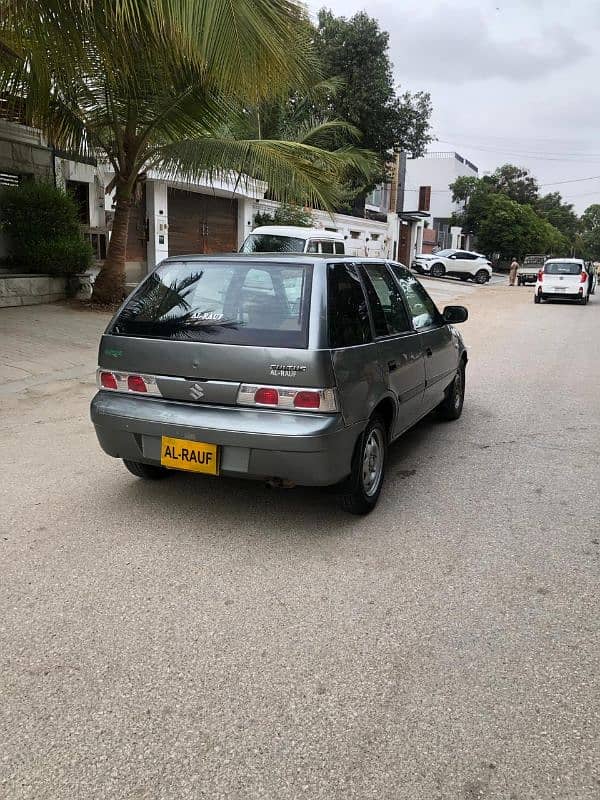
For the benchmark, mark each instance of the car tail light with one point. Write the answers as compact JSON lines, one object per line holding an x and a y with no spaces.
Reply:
{"x":288,"y":398}
{"x":127,"y":382}
{"x":307,"y":400}
{"x":266,"y":396}
{"x":135,"y":383}
{"x":107,"y":380}
{"x":583,"y":277}
{"x":541,"y":276}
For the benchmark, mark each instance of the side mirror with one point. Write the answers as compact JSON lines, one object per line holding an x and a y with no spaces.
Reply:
{"x":453,"y":315}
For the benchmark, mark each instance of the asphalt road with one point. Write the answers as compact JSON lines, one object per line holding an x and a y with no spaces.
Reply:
{"x":205,"y":638}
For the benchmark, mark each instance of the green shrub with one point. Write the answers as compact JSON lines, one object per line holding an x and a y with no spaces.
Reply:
{"x":66,"y":255}
{"x":285,"y":215}
{"x":43,"y":230}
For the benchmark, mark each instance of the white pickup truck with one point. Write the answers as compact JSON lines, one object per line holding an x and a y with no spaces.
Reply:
{"x":527,"y":272}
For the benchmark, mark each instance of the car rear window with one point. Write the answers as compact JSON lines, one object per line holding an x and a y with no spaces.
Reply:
{"x":223,"y":302}
{"x":272,"y":243}
{"x":562,"y":268}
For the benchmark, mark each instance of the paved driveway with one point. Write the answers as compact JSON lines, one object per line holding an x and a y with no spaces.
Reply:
{"x":215,"y":639}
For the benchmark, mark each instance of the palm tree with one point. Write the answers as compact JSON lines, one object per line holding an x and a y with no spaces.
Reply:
{"x":166,"y":85}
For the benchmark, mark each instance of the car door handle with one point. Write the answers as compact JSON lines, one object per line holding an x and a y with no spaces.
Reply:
{"x":429,"y":352}
{"x":392,"y":366}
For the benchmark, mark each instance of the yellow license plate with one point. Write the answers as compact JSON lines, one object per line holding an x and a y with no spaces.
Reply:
{"x":191,"y":456}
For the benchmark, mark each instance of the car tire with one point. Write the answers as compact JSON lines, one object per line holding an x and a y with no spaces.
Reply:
{"x":363,"y":487}
{"x":481,"y":276}
{"x":584,"y":300}
{"x":452,"y":405}
{"x":148,"y":472}
{"x":437,"y":270}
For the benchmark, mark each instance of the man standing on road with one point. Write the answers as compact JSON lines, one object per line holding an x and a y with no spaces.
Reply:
{"x":512,"y":275}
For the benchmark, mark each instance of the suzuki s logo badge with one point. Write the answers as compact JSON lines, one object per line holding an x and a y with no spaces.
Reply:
{"x":197,"y":392}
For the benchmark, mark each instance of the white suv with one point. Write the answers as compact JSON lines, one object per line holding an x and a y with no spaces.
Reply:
{"x":461,"y":263}
{"x":565,"y":277}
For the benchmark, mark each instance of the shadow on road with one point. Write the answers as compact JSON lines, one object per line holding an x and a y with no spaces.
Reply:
{"x":182,"y":500}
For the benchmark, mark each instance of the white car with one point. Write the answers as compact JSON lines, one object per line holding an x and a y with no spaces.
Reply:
{"x":565,"y":277}
{"x":460,"y":263}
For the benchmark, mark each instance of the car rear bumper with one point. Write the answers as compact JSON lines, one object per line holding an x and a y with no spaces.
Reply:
{"x":550,"y":291}
{"x":305,"y":448}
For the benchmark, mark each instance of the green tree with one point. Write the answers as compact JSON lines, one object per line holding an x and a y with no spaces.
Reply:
{"x":355,"y":52}
{"x":507,"y":217}
{"x":517,"y":183}
{"x":589,"y":239}
{"x":514,"y":229}
{"x":559,"y":214}
{"x":166,"y":86}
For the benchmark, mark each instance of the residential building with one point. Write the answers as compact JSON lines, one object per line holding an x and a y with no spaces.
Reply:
{"x":172,"y":216}
{"x":24,"y":154}
{"x":427,"y":189}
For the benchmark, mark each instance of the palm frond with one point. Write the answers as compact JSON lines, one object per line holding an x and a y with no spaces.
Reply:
{"x":293,"y":171}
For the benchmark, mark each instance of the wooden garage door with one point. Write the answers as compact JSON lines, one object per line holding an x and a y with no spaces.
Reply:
{"x":201,"y":223}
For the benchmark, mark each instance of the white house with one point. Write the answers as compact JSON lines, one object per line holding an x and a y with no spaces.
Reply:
{"x":427,"y":189}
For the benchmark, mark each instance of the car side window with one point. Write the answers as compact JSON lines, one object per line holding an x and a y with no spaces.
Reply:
{"x":347,"y":313}
{"x":389,"y":299}
{"x":327,"y":247}
{"x":467,"y":256}
{"x":422,"y":308}
{"x":313,"y":247}
{"x":339,"y":248}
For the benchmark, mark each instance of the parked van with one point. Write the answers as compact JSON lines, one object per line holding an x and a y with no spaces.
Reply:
{"x":293,"y":239}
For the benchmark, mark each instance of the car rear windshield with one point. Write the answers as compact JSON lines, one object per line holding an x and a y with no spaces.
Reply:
{"x":223,"y":302}
{"x":562,"y":268}
{"x":533,"y":260}
{"x":272,"y":243}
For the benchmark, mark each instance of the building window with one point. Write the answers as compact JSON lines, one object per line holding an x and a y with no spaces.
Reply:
{"x":375,"y":237}
{"x":9,"y":179}
{"x":424,"y":198}
{"x":355,"y":234}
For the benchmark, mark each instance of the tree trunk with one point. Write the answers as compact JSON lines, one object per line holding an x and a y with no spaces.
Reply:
{"x":109,"y":287}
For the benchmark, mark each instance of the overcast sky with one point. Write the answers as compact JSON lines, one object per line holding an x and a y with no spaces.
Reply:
{"x":510,"y":80}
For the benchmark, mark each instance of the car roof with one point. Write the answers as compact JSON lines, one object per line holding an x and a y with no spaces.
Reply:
{"x":287,"y":258}
{"x":564,"y":260}
{"x":298,"y":231}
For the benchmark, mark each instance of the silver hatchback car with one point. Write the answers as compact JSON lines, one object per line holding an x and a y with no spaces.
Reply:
{"x":293,"y":369}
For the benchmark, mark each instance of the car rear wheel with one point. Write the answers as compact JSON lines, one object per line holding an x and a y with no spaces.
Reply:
{"x":452,"y":405}
{"x":437,"y":270}
{"x":149,"y":472}
{"x":482,"y":276}
{"x":363,"y":487}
